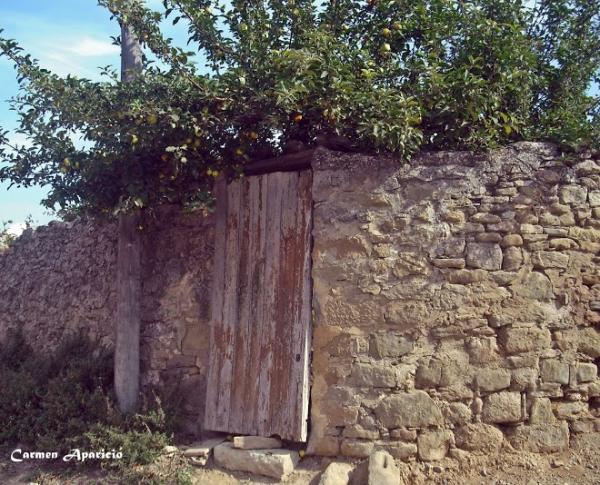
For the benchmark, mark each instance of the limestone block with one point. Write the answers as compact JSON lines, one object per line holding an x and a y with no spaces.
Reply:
{"x":570,"y":410}
{"x":413,"y":410}
{"x":401,"y":450}
{"x":255,"y":442}
{"x":524,"y":379}
{"x":541,"y":438}
{"x":502,"y":407}
{"x":485,"y":218}
{"x":357,"y":431}
{"x":541,"y":411}
{"x":428,"y":374}
{"x":465,"y":276}
{"x":433,"y":445}
{"x":407,"y":314}
{"x":456,"y":263}
{"x":594,"y":198}
{"x":488,"y":237}
{"x":457,"y":413}
{"x":511,"y":240}
{"x":489,"y":380}
{"x":336,"y":473}
{"x":589,"y":342}
{"x":356,"y":448}
{"x":383,"y":469}
{"x":586,"y":372}
{"x":519,"y":340}
{"x":367,"y":375}
{"x":584,"y":234}
{"x":562,"y":244}
{"x":484,"y":255}
{"x":389,"y":345}
{"x":513,"y":258}
{"x":536,"y":286}
{"x":531,"y":229}
{"x":550,"y":259}
{"x":553,"y":370}
{"x":276,"y":463}
{"x":479,"y":437}
{"x":482,"y":350}
{"x":403,"y":434}
{"x":573,"y":194}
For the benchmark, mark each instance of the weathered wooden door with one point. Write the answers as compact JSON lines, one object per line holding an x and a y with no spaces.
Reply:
{"x":258,"y":378}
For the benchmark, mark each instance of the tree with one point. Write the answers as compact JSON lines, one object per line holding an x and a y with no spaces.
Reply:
{"x":129,"y":266}
{"x":394,"y":75}
{"x":390,"y":75}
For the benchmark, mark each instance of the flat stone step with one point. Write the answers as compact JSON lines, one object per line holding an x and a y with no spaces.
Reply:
{"x":203,"y":448}
{"x":255,"y":443}
{"x":275,"y":462}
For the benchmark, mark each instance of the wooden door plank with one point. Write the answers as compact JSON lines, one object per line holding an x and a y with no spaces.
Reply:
{"x":218,"y":286}
{"x":230,"y":307}
{"x":241,"y":357}
{"x":286,"y":294}
{"x":259,"y":204}
{"x":268,"y":300}
{"x":302,"y":329}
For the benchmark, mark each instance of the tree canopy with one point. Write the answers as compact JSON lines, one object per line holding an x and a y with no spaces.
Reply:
{"x":390,"y":75}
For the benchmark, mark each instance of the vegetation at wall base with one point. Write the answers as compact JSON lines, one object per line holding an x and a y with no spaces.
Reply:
{"x":63,"y":400}
{"x":389,"y":75}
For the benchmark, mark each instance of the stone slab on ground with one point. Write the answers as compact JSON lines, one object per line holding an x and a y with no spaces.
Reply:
{"x":336,"y":473}
{"x":255,"y":443}
{"x":203,"y":448}
{"x":276,"y":463}
{"x":383,"y":469}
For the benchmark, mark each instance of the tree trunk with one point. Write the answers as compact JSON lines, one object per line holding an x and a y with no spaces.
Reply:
{"x":129,"y":268}
{"x":129,"y":296}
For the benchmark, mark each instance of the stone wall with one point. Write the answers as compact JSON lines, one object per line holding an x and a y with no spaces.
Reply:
{"x":60,"y":278}
{"x":455,"y":302}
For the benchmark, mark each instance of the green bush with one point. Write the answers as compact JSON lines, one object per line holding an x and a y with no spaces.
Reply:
{"x":63,"y":400}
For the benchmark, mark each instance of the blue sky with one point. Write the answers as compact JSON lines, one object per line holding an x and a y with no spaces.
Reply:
{"x":66,"y":36}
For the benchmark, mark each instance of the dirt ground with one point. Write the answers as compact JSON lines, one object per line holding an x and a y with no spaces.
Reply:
{"x":578,"y":466}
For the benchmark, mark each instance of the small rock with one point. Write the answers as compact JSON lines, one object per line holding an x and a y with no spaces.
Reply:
{"x":198,"y":460}
{"x":169,"y":450}
{"x":336,"y":474}
{"x":557,"y":463}
{"x":383,"y":469}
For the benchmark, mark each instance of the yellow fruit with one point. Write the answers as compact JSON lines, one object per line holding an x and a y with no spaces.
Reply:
{"x":386,"y":32}
{"x":66,"y":162}
{"x":253,"y":135}
{"x":385,"y":47}
{"x":152,"y":119}
{"x":134,"y":139}
{"x":243,"y":27}
{"x":239,"y":152}
{"x":188,"y":140}
{"x":397,"y":26}
{"x":197,"y":143}
{"x":298,"y":118}
{"x":302,"y":453}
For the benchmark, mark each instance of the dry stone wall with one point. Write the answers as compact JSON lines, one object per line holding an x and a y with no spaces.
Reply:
{"x":60,"y":278}
{"x":456,"y":302}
